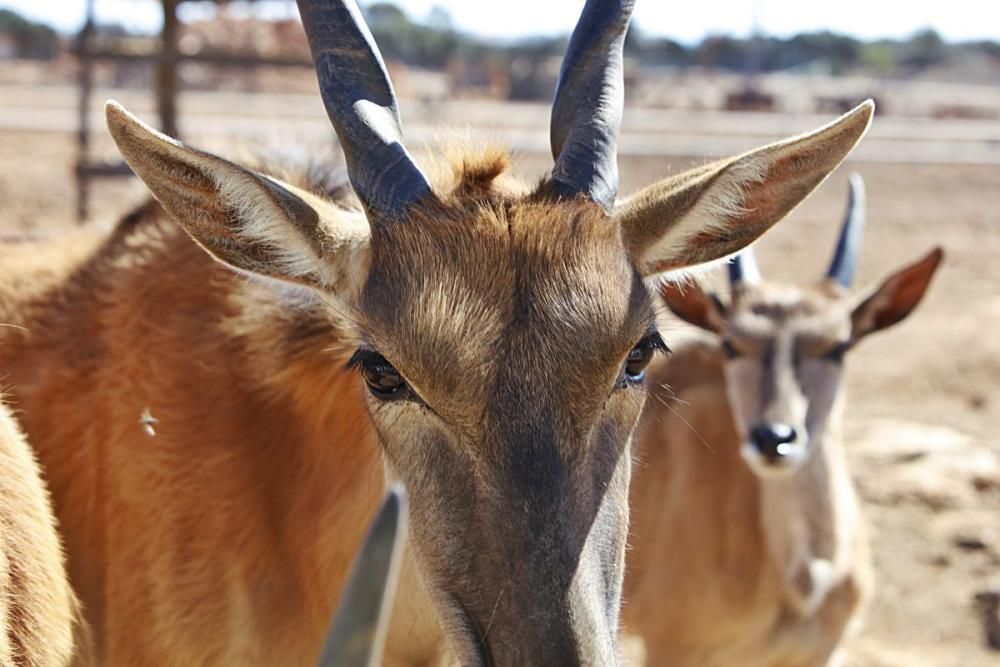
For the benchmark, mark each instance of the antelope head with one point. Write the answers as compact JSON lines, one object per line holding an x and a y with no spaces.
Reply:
{"x":502,"y":332}
{"x":785,"y":345}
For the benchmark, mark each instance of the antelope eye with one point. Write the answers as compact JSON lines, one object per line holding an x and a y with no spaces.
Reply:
{"x":641,"y":355}
{"x":382,"y":378}
{"x":638,"y":359}
{"x":729,"y":350}
{"x":837,"y":352}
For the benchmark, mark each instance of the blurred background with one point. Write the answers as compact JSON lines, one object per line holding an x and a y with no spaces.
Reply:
{"x":703,"y":81}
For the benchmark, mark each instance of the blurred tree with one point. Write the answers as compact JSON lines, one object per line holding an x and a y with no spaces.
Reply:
{"x":421,"y":45}
{"x":879,"y":57}
{"x":839,"y":52}
{"x":31,"y":40}
{"x":655,"y":50}
{"x":391,"y":28}
{"x":924,"y":49}
{"x":991,"y":49}
{"x":721,"y":51}
{"x":439,"y":18}
{"x":434,"y":43}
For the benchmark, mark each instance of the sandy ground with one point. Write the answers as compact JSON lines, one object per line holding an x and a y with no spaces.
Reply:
{"x":925,"y":404}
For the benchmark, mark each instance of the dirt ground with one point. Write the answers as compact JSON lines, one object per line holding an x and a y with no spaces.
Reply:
{"x":925,"y":405}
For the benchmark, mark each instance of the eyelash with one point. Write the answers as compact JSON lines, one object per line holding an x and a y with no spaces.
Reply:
{"x":654,"y":341}
{"x":360,"y":356}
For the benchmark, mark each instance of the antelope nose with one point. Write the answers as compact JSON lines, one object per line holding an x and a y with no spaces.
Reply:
{"x":769,"y":438}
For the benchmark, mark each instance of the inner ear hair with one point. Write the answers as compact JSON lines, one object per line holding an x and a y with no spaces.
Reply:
{"x":719,"y":209}
{"x":895,"y":298}
{"x":691,"y":303}
{"x":248,"y":221}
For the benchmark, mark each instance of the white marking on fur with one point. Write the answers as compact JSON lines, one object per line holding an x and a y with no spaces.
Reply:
{"x":824,"y":576}
{"x":715,"y":210}
{"x":261,"y":220}
{"x":783,"y":468}
{"x":148,"y":421}
{"x":264,"y":222}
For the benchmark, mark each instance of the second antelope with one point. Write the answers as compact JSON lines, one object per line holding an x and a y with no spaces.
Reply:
{"x":748,"y":548}
{"x":217,"y":433}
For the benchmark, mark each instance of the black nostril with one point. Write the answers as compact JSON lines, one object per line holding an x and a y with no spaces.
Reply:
{"x":767,"y":438}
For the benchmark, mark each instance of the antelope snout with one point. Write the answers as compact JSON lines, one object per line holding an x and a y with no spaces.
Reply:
{"x":774,"y":447}
{"x":774,"y":441}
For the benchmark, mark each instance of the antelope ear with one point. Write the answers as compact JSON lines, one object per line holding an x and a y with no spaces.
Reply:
{"x":694,"y":305}
{"x":248,"y":221}
{"x":716,"y":210}
{"x":895,"y":298}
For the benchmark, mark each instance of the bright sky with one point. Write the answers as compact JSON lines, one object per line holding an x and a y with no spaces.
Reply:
{"x":955,"y":19}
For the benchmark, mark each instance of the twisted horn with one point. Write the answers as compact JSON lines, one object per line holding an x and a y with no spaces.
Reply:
{"x":358,"y":630}
{"x":845,"y":258}
{"x":360,"y":102}
{"x":587,"y":110}
{"x":743,"y":269}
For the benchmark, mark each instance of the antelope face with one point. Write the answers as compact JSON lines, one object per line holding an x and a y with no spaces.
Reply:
{"x":501,"y":333}
{"x":784,"y":347}
{"x":505,"y":402}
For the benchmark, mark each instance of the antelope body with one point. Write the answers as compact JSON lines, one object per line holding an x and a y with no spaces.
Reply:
{"x":217,"y":423}
{"x":748,"y":548}
{"x":40,"y":620}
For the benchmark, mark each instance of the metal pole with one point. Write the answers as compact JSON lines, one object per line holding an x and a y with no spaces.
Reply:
{"x":86,"y":82}
{"x":166,"y":71}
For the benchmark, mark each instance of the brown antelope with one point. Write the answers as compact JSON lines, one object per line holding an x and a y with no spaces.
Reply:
{"x":748,"y":548}
{"x":218,"y":433}
{"x":40,"y":619}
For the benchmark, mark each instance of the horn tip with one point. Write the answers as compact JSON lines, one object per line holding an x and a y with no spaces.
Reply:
{"x":396,"y":497}
{"x":856,"y":181}
{"x":395,"y":508}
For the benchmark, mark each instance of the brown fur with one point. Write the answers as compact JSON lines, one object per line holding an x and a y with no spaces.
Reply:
{"x":40,"y":620}
{"x":757,"y":188}
{"x":141,"y":532}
